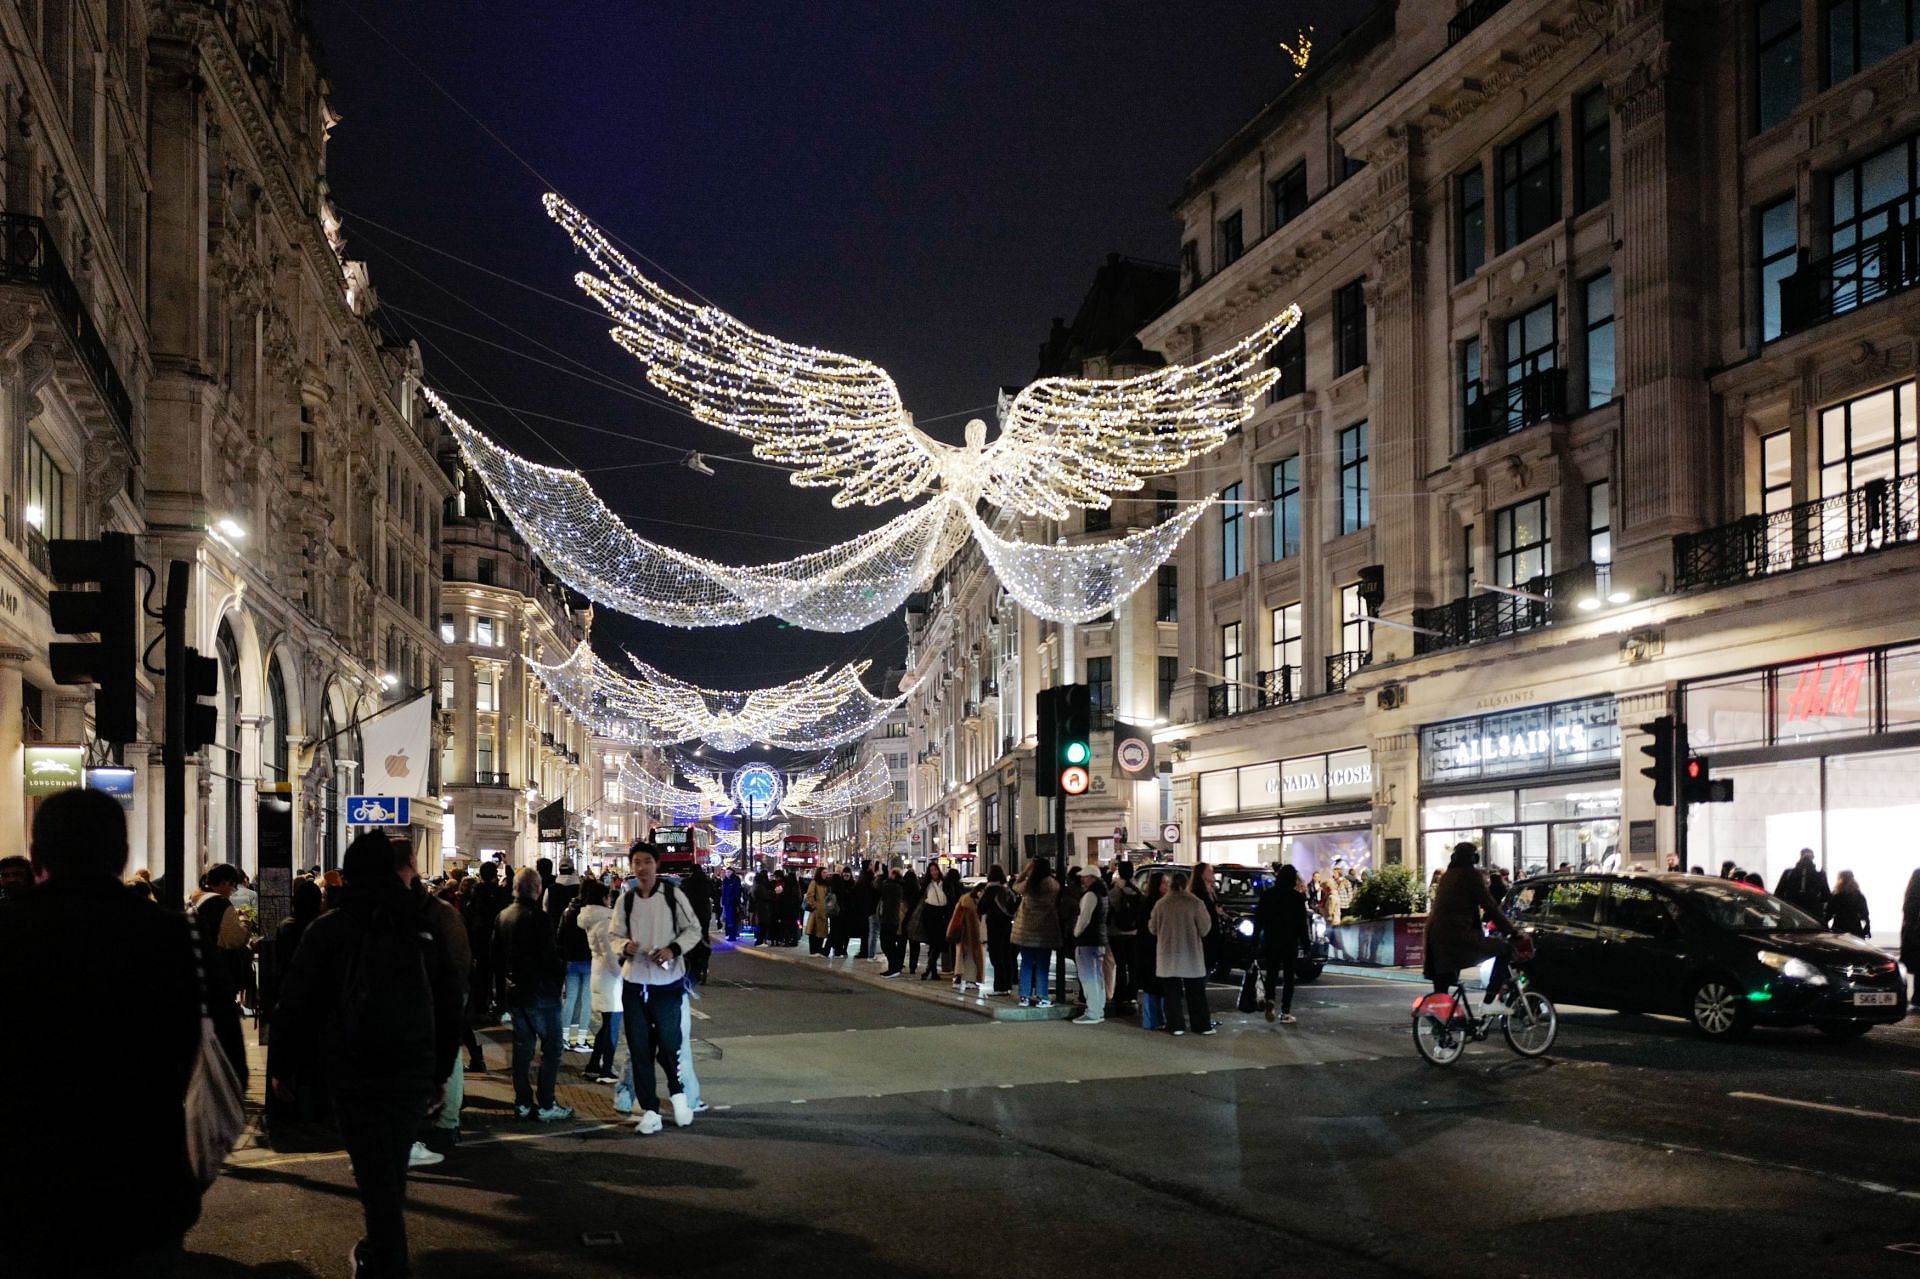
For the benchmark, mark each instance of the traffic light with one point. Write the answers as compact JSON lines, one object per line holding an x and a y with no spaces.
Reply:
{"x":1075,"y":738}
{"x":1660,"y":750}
{"x":200,"y":679}
{"x":1698,"y":787}
{"x":1046,"y":777}
{"x":109,"y":612}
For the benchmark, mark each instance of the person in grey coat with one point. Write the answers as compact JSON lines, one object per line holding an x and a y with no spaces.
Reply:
{"x":1179,"y":924}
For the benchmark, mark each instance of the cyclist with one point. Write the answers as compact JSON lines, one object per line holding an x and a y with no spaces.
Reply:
{"x":1456,"y":938}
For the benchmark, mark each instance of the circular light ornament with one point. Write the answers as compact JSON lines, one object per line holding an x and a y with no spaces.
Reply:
{"x":1074,"y":780}
{"x":757,"y":788}
{"x":1077,"y":753}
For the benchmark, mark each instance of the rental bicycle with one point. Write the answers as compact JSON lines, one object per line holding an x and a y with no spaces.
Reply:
{"x":1443,"y":1025}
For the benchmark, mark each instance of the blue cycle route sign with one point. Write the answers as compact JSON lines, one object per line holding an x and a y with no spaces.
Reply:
{"x":377,"y":810}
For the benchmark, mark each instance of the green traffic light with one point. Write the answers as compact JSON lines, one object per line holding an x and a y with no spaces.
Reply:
{"x":1077,"y":753}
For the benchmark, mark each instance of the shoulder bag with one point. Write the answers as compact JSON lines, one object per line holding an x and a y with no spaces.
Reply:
{"x":216,"y":1114}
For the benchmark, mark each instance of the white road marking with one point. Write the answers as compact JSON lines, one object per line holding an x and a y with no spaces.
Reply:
{"x":697,"y":1013}
{"x":1824,"y":1108}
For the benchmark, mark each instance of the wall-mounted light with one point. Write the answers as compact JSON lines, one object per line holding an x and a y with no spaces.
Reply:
{"x":231,"y":529}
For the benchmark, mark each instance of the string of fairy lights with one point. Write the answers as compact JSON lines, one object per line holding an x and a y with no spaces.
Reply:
{"x":816,"y":712}
{"x":839,"y":421}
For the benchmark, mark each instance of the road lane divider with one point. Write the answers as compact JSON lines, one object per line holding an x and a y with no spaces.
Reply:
{"x":1824,"y":1107}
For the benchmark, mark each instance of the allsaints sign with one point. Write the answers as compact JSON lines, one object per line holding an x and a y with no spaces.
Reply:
{"x":1541,"y":739}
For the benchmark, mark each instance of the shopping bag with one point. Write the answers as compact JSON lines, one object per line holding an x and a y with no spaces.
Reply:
{"x":1250,"y":990}
{"x":215,"y":1110}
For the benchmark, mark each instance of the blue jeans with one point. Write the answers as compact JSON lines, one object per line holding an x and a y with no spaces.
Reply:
{"x":1089,"y":962}
{"x":539,"y":1019}
{"x":652,"y":1017}
{"x":576,"y":1000}
{"x":1033,"y":971}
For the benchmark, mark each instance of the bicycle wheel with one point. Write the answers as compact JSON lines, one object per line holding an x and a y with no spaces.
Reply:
{"x":1531,"y":1024}
{"x":1439,"y":1041}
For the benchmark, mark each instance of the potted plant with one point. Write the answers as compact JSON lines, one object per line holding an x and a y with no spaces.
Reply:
{"x":1387,"y":922}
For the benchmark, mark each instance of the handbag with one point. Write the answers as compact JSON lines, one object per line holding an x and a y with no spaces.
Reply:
{"x":1250,"y":990}
{"x":216,"y":1114}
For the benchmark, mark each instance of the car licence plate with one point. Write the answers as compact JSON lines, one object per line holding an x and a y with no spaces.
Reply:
{"x":1874,"y":998}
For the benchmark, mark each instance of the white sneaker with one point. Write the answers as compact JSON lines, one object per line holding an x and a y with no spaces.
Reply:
{"x":649,"y":1123}
{"x":702,"y":1107}
{"x":1088,"y":1021}
{"x":682,"y":1112}
{"x":421,"y":1157}
{"x":623,"y":1100}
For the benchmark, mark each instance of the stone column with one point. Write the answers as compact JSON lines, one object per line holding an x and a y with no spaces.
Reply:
{"x":1396,"y":376}
{"x":70,"y":716}
{"x":13,"y":790}
{"x":1664,"y":253}
{"x":250,"y":791}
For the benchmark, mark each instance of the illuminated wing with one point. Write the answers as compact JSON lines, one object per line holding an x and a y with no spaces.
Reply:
{"x":1070,"y":442}
{"x":836,"y":418}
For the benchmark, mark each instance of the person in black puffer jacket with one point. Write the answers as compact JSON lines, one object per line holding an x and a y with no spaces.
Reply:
{"x":1280,"y":925}
{"x":373,"y":992}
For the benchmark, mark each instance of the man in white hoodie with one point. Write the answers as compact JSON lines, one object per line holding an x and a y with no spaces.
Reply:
{"x":653,"y":927}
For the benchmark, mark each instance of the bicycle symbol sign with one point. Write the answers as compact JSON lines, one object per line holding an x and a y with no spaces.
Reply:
{"x":377,"y":810}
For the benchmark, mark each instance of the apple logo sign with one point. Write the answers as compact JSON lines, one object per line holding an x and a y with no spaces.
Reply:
{"x":397,"y":764}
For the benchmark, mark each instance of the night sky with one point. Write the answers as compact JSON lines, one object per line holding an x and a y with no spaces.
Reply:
{"x":921,"y":185}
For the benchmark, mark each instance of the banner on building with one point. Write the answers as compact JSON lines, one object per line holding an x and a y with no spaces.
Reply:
{"x":1132,"y":752}
{"x":397,"y":743}
{"x":52,"y":769}
{"x":552,"y":823}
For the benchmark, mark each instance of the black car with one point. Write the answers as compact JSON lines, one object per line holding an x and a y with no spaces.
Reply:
{"x":1724,"y":956}
{"x":1239,"y":890}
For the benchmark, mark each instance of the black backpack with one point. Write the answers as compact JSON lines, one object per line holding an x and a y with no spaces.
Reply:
{"x":1123,"y":910}
{"x":386,"y":988}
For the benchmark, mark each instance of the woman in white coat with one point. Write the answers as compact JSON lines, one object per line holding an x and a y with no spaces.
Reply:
{"x":596,"y":921}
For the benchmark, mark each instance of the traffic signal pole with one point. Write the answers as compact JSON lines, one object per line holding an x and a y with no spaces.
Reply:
{"x":173,"y":749}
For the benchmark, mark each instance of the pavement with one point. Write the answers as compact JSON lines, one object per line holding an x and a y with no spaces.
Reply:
{"x":871,"y":1128}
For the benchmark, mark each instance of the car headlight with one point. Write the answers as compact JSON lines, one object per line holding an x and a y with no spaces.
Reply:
{"x":1792,"y":969}
{"x":1244,"y":928}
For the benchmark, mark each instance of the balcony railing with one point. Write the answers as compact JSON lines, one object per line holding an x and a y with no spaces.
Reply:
{"x":1267,"y":688}
{"x":1540,"y":396}
{"x":491,"y":779}
{"x":1473,"y":619}
{"x":30,"y":258}
{"x":1470,"y":17}
{"x":1877,"y":267}
{"x":1342,"y":667}
{"x":1859,"y":521}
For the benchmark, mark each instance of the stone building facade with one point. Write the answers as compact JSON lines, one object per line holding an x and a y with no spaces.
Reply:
{"x":510,"y":749}
{"x":1603,"y":409}
{"x":194,"y":359}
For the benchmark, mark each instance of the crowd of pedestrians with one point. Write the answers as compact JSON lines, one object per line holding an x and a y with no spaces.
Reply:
{"x":1143,"y":941}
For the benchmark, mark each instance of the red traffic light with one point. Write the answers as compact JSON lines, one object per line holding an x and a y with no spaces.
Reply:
{"x":1694,"y":769}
